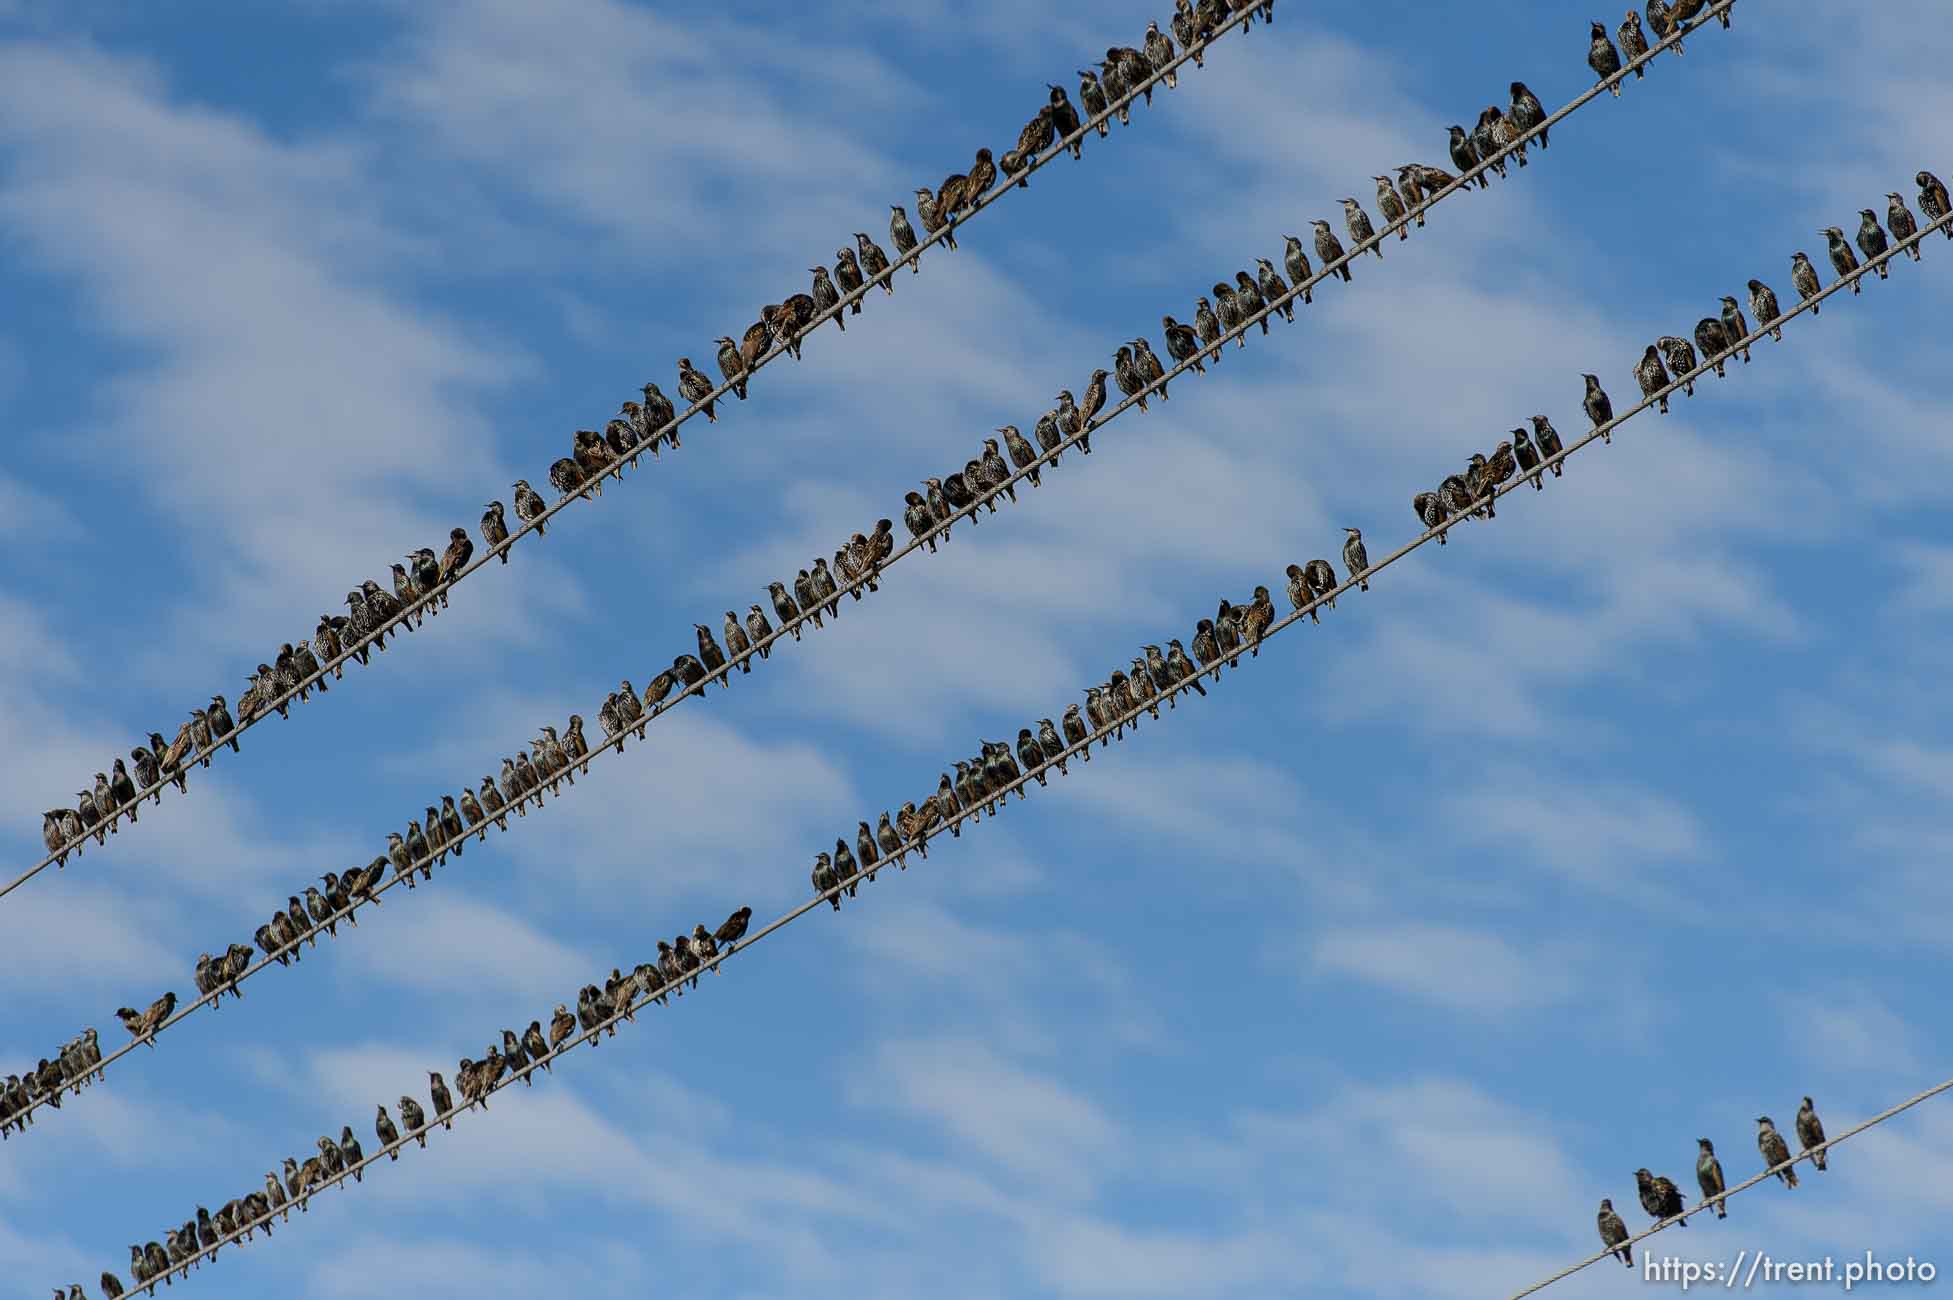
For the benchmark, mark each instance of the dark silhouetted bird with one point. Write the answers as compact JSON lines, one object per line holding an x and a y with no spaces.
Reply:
{"x":1526,"y":111}
{"x":1527,"y":458}
{"x":1648,"y":373}
{"x":1810,"y":1133}
{"x":1713,"y":340}
{"x":1634,"y":41}
{"x":1182,"y":344}
{"x":1355,"y":558}
{"x":1763,"y":305}
{"x":1296,"y":262}
{"x":1803,"y":276}
{"x":918,"y":519}
{"x":1776,"y":1152}
{"x":1464,"y":155}
{"x":1229,"y":308}
{"x":1329,"y":249}
{"x":1603,"y":58}
{"x":1734,"y":328}
{"x":1247,"y":299}
{"x":1614,"y":1234}
{"x":1659,"y":1196}
{"x":1842,"y":257}
{"x":1871,"y":240}
{"x":1708,"y":1174}
{"x":1599,"y":409}
{"x":1485,"y":139}
{"x":384,"y":1130}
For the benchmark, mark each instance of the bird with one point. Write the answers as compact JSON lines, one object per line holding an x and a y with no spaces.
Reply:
{"x":1659,"y":1196}
{"x":1604,"y":59}
{"x":1064,"y":119}
{"x":1634,"y":41}
{"x":349,"y":1151}
{"x":901,"y":234}
{"x":1248,"y":301}
{"x":1708,"y":1173}
{"x":1528,"y":458}
{"x":1904,"y":225}
{"x":1933,"y":200}
{"x":122,"y":791}
{"x":1803,"y":277}
{"x":1329,"y":249}
{"x":1713,"y":341}
{"x":1871,"y":240}
{"x":1322,"y":581}
{"x":1360,"y":229}
{"x":1296,"y":262}
{"x":1232,"y":318}
{"x":1681,"y":360}
{"x":1486,"y":138}
{"x":737,"y":646}
{"x":1130,"y":381}
{"x":1810,"y":1132}
{"x":562,"y":1025}
{"x":1431,"y":511}
{"x":1776,"y":1152}
{"x":1648,"y":372}
{"x":785,"y":608}
{"x":1391,"y":206}
{"x":1527,"y":112}
{"x":847,"y":272}
{"x":732,"y":365}
{"x":1763,"y":305}
{"x":758,"y":630}
{"x":809,"y":597}
{"x":1662,"y":21}
{"x":696,"y":388}
{"x":437,"y":1091}
{"x":1842,"y":257}
{"x":824,"y":880}
{"x":1159,"y":54}
{"x":384,"y":1130}
{"x":1355,"y":558}
{"x":874,"y":262}
{"x":1149,"y":366}
{"x":1599,"y":409}
{"x":1614,"y":1233}
{"x":1299,"y":595}
{"x":1734,"y":327}
{"x":529,"y":508}
{"x":1464,"y":155}
{"x":711,"y":655}
{"x":1274,"y":290}
{"x":1081,"y":417}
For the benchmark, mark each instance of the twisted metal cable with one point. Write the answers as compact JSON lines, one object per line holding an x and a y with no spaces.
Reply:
{"x":999,"y":795}
{"x":352,"y":649}
{"x":617,"y":739}
{"x":1743,"y":1186}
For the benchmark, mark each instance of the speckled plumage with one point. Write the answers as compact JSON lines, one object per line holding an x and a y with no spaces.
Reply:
{"x":1356,"y":559}
{"x":1634,"y":41}
{"x":1763,"y":306}
{"x":1603,"y":58}
{"x":1810,"y":1133}
{"x":1614,"y":1233}
{"x":1680,"y":356}
{"x":1872,"y":241}
{"x":1902,"y":223}
{"x":1599,"y":408}
{"x":1659,"y":1196}
{"x":1842,"y":258}
{"x":1803,"y":277}
{"x":1933,"y":200}
{"x":1329,"y":248}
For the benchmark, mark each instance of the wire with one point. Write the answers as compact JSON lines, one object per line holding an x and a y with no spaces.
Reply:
{"x":1744,"y":1186}
{"x":617,"y":739}
{"x":351,"y":649}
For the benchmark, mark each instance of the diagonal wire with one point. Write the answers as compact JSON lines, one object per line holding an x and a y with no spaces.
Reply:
{"x":999,"y":795}
{"x":617,"y":739}
{"x":350,"y":649}
{"x":1743,"y":1186}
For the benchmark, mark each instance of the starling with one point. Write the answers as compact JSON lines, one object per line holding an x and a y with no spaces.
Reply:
{"x":1763,"y":305}
{"x":1232,"y":317}
{"x":1081,"y":418}
{"x":928,"y":211}
{"x":824,"y":880}
{"x":529,"y":508}
{"x":1112,"y":77}
{"x":1604,"y":59}
{"x":1776,"y":1152}
{"x":1431,"y":512}
{"x":1933,"y":200}
{"x":1299,"y":594}
{"x":1810,"y":1132}
{"x":1713,"y":341}
{"x":1526,"y":111}
{"x":1329,"y":250}
{"x":1871,"y":240}
{"x":1092,"y":96}
{"x":1648,"y":372}
{"x":1149,"y":366}
{"x":562,"y":1025}
{"x":565,"y":475}
{"x":996,"y":474}
{"x":1803,"y":276}
{"x":1900,"y":218}
{"x":1031,"y":755}
{"x":1322,"y":579}
{"x":1256,"y":618}
{"x":710,"y":654}
{"x":306,"y":664}
{"x":1247,"y":300}
{"x":1614,"y":1234}
{"x":1355,"y":558}
{"x":696,"y":389}
{"x":1485,"y":140}
{"x":1681,"y":360}
{"x":917,"y":517}
{"x":810,"y":599}
{"x":1662,"y":22}
{"x":1360,"y":229}
{"x":1391,"y":206}
{"x":1734,"y":328}
{"x":1599,"y":409}
{"x":1096,"y":707}
{"x":1708,"y":1173}
{"x":1208,"y":326}
{"x":1159,"y":53}
{"x":1183,"y":31}
{"x":825,"y":588}
{"x":1659,"y":1196}
{"x":1272,"y":289}
{"x":1023,"y":456}
{"x":900,"y":233}
{"x":1032,"y":141}
{"x":1182,"y":344}
{"x":1842,"y":257}
{"x":874,"y":262}
{"x":1135,"y":69}
{"x":784,"y":606}
{"x":1408,"y":193}
{"x":384,"y":1130}
{"x":1075,"y":733}
{"x":326,"y":635}
{"x":737,"y":646}
{"x":1634,"y":42}
{"x":1528,"y":458}
{"x":939,"y":506}
{"x":1182,"y":668}
{"x":122,"y":791}
{"x":1296,"y":262}
{"x":733,"y":365}
{"x":493,"y":804}
{"x":1464,"y":155}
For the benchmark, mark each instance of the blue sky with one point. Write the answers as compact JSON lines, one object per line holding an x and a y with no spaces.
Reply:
{"x":1611,"y":826}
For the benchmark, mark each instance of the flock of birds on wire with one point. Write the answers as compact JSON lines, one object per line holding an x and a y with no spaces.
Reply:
{"x":1662,"y":1199}
{"x":982,"y":781}
{"x":371,"y":610}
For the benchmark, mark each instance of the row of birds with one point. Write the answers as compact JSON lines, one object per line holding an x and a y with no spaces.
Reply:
{"x":927,"y":515}
{"x":1664,"y":17}
{"x":1662,"y":1199}
{"x":371,"y":610}
{"x":597,"y":1008}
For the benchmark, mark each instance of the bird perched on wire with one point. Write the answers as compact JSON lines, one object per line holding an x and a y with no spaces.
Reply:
{"x":1296,"y":262}
{"x":1713,"y":341}
{"x":1299,"y":594}
{"x":695,"y":388}
{"x":1614,"y":1233}
{"x":1032,"y":140}
{"x":1810,"y":1132}
{"x":1634,"y":41}
{"x":1933,"y":200}
{"x":825,"y":588}
{"x":1681,"y":360}
{"x":900,"y":233}
{"x":1329,"y":249}
{"x":1842,"y":257}
{"x":1734,"y":328}
{"x":1135,"y":70}
{"x":1360,"y":229}
{"x":1430,"y":509}
{"x":1149,"y":367}
{"x":810,"y":598}
{"x":1803,"y":276}
{"x":1208,"y":326}
{"x":1708,"y":1175}
{"x":1527,"y":457}
{"x":1322,"y":581}
{"x":1900,"y":219}
{"x":1079,"y":419}
{"x":1391,"y":206}
{"x":657,"y":418}
{"x":1485,"y":139}
{"x":1355,"y":558}
{"x":1599,"y":409}
{"x":1648,"y":372}
{"x":874,"y":261}
{"x":732,"y":365}
{"x":1659,"y":1196}
{"x":1272,"y":289}
{"x":1464,"y":155}
{"x":1113,"y":78}
{"x":1527,"y":112}
{"x":1776,"y":1152}
{"x":1247,"y":300}
{"x":1604,"y":59}
{"x":1092,"y":95}
{"x":1763,"y":305}
{"x":1871,"y":241}
{"x":1182,"y":344}
{"x":1662,"y":22}
{"x":847,"y":272}
{"x":1159,"y":54}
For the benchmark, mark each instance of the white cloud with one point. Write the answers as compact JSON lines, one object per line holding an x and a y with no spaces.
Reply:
{"x":1474,"y":971}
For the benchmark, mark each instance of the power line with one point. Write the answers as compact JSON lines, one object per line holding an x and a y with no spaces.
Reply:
{"x":998,"y":797}
{"x":616,"y":740}
{"x":350,"y":650}
{"x":1744,"y":1186}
